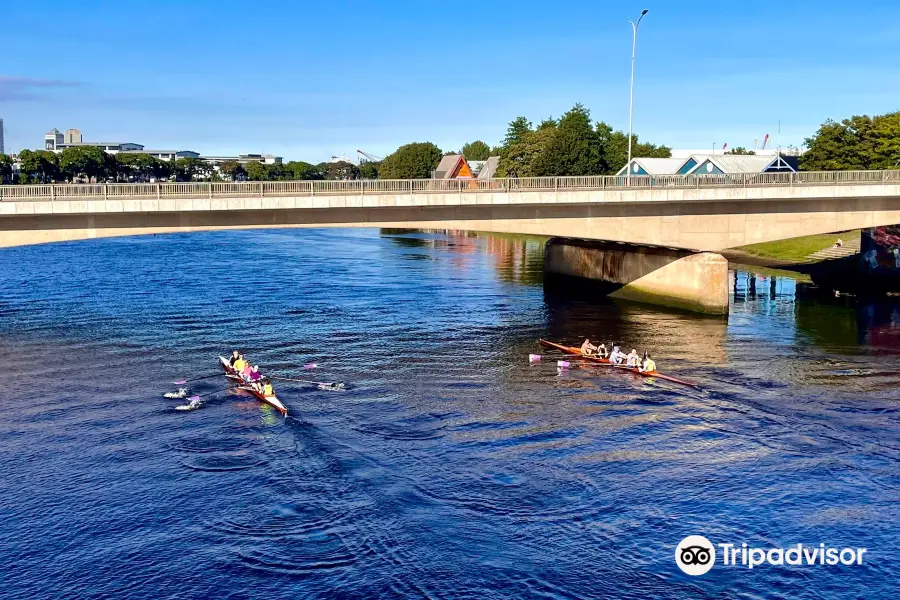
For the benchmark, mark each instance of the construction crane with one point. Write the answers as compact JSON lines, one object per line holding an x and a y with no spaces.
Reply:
{"x":369,"y":157}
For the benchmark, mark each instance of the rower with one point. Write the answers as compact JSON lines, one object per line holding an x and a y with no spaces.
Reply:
{"x":587,"y":348}
{"x":616,"y":357}
{"x":240,"y":363}
{"x":633,"y":360}
{"x":234,"y":356}
{"x":648,"y":366}
{"x":255,"y":378}
{"x":245,"y":372}
{"x":602,"y":352}
{"x":267,"y":389}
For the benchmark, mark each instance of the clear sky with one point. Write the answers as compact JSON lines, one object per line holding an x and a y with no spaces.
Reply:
{"x":308,"y":80}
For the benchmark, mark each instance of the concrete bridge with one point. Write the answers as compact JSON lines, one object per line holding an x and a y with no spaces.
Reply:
{"x":704,"y":213}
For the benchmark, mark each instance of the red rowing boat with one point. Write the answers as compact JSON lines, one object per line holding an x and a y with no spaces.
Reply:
{"x":233,"y":375}
{"x":604,"y":361}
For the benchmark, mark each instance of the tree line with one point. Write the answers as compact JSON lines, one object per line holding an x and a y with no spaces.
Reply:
{"x":571,"y":145}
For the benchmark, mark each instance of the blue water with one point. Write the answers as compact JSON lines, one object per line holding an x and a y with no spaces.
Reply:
{"x":450,"y":467}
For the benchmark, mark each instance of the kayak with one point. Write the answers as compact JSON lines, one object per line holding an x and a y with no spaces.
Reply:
{"x":604,"y":361}
{"x":233,"y":375}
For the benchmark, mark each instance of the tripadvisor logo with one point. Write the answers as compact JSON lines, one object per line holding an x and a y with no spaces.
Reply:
{"x":696,"y":555}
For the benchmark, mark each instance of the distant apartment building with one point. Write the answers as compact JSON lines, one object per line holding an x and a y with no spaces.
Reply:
{"x":2,"y":140}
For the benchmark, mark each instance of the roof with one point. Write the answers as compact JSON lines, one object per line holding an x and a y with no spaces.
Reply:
{"x":489,"y":168}
{"x":735,"y":163}
{"x":448,"y":166}
{"x":99,"y":144}
{"x":655,"y":166}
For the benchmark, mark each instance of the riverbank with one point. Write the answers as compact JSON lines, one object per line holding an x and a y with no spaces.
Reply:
{"x":794,"y":252}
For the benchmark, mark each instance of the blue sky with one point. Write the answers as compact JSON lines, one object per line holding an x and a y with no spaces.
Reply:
{"x":308,"y":80}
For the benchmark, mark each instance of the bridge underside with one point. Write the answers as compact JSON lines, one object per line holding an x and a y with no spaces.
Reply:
{"x":709,"y":225}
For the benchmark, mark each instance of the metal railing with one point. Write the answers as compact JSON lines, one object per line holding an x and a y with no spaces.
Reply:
{"x":263,"y":189}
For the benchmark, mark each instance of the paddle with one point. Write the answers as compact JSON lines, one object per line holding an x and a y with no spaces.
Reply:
{"x":184,"y":381}
{"x":198,"y":396}
{"x":339,"y":385}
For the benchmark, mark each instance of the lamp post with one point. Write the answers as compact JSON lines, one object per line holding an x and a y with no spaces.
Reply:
{"x":634,"y":27}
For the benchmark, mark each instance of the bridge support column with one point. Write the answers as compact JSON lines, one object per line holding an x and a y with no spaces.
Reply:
{"x":695,"y":281}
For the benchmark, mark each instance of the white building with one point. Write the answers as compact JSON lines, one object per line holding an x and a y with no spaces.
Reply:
{"x":2,"y":140}
{"x":243,"y":159}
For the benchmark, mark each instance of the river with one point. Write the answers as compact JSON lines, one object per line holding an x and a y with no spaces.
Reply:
{"x":450,"y":467}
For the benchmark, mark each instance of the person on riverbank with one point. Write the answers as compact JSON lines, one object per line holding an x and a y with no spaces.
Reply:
{"x":587,"y":348}
{"x":648,"y":366}
{"x":616,"y":357}
{"x":633,"y":359}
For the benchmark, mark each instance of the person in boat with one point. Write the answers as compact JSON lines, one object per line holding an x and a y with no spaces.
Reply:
{"x":616,"y":357}
{"x":587,"y":348}
{"x":239,"y":364}
{"x":648,"y":366}
{"x":602,"y":352}
{"x":255,"y":378}
{"x":633,"y":359}
{"x":245,"y":372}
{"x":234,"y":356}
{"x":267,"y":389}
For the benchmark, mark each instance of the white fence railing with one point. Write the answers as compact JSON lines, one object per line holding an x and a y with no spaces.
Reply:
{"x":117,"y":191}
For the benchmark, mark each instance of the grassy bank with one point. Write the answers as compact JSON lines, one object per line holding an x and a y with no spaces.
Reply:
{"x":796,"y":250}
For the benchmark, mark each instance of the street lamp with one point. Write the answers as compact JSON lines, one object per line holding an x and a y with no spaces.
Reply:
{"x":634,"y":27}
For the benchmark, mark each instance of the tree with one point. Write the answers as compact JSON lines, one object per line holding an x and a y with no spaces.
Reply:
{"x":233,"y":170}
{"x":741,"y":151}
{"x":369,"y":169}
{"x":412,"y":161}
{"x":476,"y":150}
{"x":516,"y":131}
{"x":41,"y":166}
{"x":186,"y":169}
{"x":302,"y":171}
{"x":89,"y":162}
{"x":858,"y":143}
{"x":528,"y":156}
{"x":256,"y":171}
{"x":575,"y":148}
{"x":342,"y":171}
{"x":615,"y":148}
{"x":5,"y":168}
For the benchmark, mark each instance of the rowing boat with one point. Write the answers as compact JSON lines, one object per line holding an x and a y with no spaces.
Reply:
{"x":233,"y":375}
{"x":604,"y":361}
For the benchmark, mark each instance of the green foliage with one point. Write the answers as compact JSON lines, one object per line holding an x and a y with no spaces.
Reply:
{"x":233,"y":170}
{"x":256,"y":171}
{"x":412,"y":161}
{"x":5,"y":168}
{"x":615,"y":148}
{"x":87,"y":162}
{"x":741,"y":151}
{"x":303,"y":170}
{"x":476,"y":150}
{"x":527,"y":157}
{"x":575,"y":148}
{"x":139,"y":167}
{"x":516,"y":131}
{"x":858,"y":143}
{"x":342,"y":171}
{"x":41,"y":166}
{"x":369,"y":170}
{"x":186,"y":169}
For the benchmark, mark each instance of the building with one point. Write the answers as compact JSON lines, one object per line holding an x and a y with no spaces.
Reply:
{"x":243,"y":159}
{"x":166,"y":155}
{"x":72,"y":136}
{"x":2,"y":139}
{"x":489,"y":168}
{"x":709,"y":164}
{"x":54,"y":141}
{"x":453,"y":166}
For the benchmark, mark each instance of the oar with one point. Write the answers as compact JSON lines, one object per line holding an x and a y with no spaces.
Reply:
{"x":184,"y":381}
{"x":198,"y":396}
{"x":338,"y":385}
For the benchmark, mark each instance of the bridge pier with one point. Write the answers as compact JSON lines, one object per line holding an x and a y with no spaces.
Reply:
{"x":695,"y":281}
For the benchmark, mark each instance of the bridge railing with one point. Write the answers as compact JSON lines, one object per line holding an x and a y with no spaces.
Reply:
{"x":166,"y":190}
